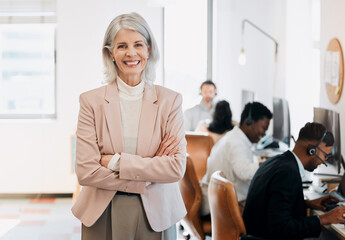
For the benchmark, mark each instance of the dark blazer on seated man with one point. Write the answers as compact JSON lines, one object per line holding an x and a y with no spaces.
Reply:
{"x":275,"y":206}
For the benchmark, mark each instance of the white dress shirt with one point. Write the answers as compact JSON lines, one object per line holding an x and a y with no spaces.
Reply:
{"x":232,"y":154}
{"x":300,"y":166}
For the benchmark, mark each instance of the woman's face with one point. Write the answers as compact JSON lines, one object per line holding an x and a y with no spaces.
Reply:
{"x":130,"y":53}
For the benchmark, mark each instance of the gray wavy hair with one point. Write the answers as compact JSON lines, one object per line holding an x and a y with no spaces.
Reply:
{"x":132,"y":21}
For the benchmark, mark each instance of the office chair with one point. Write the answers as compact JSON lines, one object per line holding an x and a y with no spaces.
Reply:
{"x":192,"y":197}
{"x":226,"y":218}
{"x":199,"y":146}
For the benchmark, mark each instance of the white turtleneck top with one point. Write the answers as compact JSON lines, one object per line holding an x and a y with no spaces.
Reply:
{"x":130,"y":105}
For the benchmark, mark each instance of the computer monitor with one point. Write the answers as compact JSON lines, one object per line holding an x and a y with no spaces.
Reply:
{"x":341,"y":187}
{"x":330,"y":119}
{"x":281,"y":121}
{"x":247,"y":97}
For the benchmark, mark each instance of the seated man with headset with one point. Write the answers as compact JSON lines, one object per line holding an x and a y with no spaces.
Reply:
{"x":275,"y":206}
{"x":233,"y":155}
{"x":204,"y":110}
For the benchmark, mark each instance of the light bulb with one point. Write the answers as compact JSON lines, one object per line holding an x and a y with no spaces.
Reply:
{"x":242,"y":58}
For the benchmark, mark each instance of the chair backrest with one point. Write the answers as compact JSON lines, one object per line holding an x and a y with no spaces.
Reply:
{"x":192,"y":197}
{"x":226,"y":218}
{"x":199,"y":146}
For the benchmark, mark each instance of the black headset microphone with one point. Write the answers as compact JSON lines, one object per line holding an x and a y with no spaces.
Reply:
{"x":311,"y":149}
{"x":249,"y":121}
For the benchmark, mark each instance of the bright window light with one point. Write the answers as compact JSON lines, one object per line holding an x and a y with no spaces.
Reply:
{"x":27,"y":70}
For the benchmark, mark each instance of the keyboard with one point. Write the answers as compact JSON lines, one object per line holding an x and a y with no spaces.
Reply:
{"x":313,"y":195}
{"x":337,"y":195}
{"x":331,"y":206}
{"x":339,"y":228}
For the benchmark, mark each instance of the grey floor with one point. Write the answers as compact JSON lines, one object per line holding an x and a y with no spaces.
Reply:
{"x":38,"y":219}
{"x":45,"y":219}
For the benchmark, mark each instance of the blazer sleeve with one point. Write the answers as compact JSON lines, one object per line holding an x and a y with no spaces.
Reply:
{"x":281,"y":204}
{"x":88,"y":168}
{"x":165,"y":169}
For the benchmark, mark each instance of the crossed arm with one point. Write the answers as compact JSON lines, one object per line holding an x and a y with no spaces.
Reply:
{"x":168,"y":164}
{"x":168,"y":147}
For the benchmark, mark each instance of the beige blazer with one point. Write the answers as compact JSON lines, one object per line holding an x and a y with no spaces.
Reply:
{"x":99,"y":132}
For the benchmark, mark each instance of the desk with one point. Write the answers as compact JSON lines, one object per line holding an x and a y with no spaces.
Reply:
{"x":264,"y":154}
{"x":267,"y":153}
{"x":336,"y":229}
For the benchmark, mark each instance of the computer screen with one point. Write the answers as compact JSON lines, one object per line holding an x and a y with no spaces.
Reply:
{"x":247,"y":96}
{"x":341,"y":187}
{"x":281,"y":121}
{"x":330,"y":119}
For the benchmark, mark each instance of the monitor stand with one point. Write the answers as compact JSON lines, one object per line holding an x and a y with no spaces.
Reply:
{"x":341,"y":163}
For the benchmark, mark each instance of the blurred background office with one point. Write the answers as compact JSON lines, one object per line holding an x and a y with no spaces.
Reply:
{"x":50,"y":53}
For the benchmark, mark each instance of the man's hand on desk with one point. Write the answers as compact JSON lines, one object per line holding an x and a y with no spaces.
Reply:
{"x":320,"y":203}
{"x":334,"y":216}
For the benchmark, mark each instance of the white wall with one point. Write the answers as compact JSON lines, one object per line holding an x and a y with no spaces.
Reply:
{"x":332,"y":26}
{"x":291,"y":77}
{"x":261,"y":73}
{"x":36,"y":154}
{"x":301,"y":86}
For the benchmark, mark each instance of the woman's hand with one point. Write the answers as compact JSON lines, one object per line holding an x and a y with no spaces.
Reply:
{"x":105,"y":159}
{"x":167,"y":147}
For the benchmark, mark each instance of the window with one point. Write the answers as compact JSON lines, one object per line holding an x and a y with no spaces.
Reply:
{"x":27,"y":66}
{"x":27,"y":60}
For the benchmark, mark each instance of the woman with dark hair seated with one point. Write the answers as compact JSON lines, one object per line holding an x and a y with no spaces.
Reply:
{"x":221,"y":123}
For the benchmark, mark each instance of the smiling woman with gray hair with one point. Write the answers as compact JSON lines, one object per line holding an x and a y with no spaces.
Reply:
{"x":130,"y":143}
{"x":136,"y":23}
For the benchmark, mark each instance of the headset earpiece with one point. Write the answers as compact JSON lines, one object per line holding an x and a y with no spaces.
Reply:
{"x":249,"y":119}
{"x":311,"y":149}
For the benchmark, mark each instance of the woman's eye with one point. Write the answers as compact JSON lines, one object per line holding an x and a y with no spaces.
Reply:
{"x":139,"y":45}
{"x":120,"y":46}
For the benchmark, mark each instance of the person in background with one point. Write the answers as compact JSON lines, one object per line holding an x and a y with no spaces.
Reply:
{"x":204,"y":109}
{"x":131,"y":147}
{"x":275,"y":206}
{"x":221,"y":123}
{"x":233,"y":153}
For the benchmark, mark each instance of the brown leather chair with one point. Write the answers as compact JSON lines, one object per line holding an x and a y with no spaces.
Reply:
{"x":227,"y":222}
{"x":192,"y":197}
{"x":226,"y":217}
{"x":199,"y":146}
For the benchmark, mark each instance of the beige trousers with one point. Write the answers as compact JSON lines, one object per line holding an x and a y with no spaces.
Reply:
{"x":125,"y":219}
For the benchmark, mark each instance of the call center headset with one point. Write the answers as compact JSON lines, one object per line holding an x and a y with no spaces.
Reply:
{"x":249,"y":119}
{"x":311,"y":149}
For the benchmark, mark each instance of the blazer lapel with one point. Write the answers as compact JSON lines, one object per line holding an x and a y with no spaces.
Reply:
{"x":147,"y":120}
{"x":112,"y":113}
